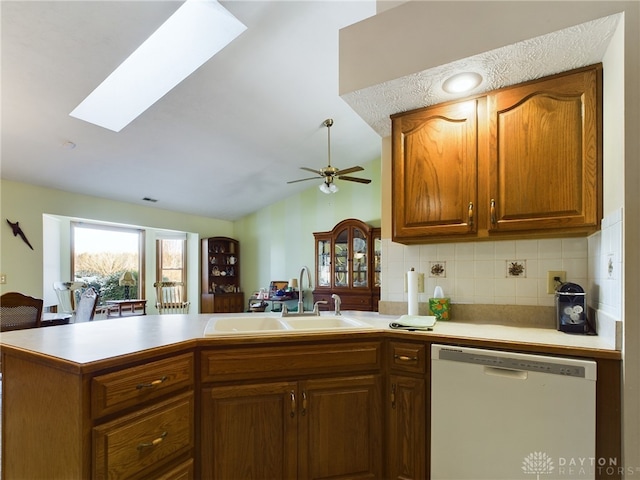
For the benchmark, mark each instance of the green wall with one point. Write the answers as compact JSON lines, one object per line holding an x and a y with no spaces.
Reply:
{"x":275,"y":242}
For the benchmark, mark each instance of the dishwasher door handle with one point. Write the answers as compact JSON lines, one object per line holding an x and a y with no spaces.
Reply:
{"x":506,"y":372}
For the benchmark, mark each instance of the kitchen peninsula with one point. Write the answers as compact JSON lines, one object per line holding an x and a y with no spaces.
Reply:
{"x":150,"y":396}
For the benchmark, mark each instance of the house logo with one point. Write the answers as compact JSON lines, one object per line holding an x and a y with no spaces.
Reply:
{"x":537,"y":463}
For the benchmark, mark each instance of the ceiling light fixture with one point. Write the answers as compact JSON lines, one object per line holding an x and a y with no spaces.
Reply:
{"x":192,"y":35}
{"x":328,"y":186}
{"x":462,"y":82}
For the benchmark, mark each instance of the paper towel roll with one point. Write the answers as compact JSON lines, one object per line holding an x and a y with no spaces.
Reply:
{"x":412,"y":292}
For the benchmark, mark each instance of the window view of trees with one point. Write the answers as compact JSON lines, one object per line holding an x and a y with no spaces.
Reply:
{"x":171,"y":260}
{"x":101,"y":255}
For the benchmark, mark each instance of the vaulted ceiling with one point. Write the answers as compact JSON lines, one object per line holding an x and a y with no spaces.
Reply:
{"x":223,"y":143}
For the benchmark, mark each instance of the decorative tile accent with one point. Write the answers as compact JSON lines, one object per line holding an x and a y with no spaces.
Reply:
{"x":438,"y":269}
{"x":516,"y":268}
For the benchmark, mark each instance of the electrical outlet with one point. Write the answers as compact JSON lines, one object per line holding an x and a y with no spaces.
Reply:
{"x":3,"y":278}
{"x":551,"y":279}
{"x":421,"y":283}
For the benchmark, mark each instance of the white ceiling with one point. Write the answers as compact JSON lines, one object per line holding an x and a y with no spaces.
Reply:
{"x":222,"y":144}
{"x":225,"y":141}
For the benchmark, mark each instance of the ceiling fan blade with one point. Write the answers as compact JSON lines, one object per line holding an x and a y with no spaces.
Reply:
{"x":303,"y":180}
{"x":318,"y":172}
{"x":354,"y":179}
{"x":350,"y":170}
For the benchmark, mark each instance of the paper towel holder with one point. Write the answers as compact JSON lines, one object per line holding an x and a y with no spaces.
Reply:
{"x":420,"y":282}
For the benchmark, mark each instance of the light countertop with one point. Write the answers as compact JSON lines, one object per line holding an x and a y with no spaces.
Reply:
{"x":85,"y":343}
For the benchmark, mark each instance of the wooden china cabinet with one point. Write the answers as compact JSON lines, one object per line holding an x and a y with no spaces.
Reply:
{"x":348,"y":264}
{"x":220,"y":284}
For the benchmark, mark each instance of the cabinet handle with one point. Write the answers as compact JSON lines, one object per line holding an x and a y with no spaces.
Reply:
{"x":492,"y":208}
{"x":293,"y":404}
{"x":470,"y":214}
{"x":304,"y":402}
{"x":393,"y":395}
{"x":153,"y":443}
{"x":405,"y":358}
{"x":153,"y":384}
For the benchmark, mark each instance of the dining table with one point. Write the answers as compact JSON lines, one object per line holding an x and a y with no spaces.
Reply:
{"x":49,"y":319}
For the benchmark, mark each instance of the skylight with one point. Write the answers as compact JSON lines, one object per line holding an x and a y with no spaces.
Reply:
{"x":192,"y":35}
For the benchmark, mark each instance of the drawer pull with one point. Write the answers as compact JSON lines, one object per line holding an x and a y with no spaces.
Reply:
{"x":304,"y":402}
{"x":405,"y":358}
{"x":155,"y":442}
{"x":492,"y":209}
{"x":292,"y":395}
{"x":153,"y":384}
{"x":393,"y":395}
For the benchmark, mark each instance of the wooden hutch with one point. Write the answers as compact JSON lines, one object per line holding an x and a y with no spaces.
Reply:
{"x":348,"y":264}
{"x":220,"y":285}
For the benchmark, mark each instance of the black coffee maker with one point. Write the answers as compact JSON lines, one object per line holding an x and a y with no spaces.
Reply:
{"x":571,"y":309}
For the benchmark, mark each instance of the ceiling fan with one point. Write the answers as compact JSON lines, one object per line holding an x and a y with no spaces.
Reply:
{"x":329,"y":173}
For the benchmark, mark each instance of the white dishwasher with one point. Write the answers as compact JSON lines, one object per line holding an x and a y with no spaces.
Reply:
{"x":506,"y":416}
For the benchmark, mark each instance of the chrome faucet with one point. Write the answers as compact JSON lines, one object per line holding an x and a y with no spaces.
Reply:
{"x":301,"y":312}
{"x":336,"y":301}
{"x":300,"y":299}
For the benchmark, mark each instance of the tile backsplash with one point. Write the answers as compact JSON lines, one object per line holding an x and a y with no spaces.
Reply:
{"x":512,"y":272}
{"x":605,"y":266}
{"x":508,"y":272}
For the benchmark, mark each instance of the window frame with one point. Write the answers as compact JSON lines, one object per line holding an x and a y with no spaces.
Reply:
{"x":160,"y":267}
{"x":141,"y":233}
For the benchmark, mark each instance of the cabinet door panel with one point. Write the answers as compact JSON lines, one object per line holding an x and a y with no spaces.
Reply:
{"x":341,"y":428}
{"x":546,"y":169}
{"x":407,"y":436}
{"x":249,"y":431}
{"x":434,"y":171}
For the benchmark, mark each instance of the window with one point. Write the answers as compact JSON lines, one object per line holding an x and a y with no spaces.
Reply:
{"x":102,"y":254}
{"x":171,"y":260}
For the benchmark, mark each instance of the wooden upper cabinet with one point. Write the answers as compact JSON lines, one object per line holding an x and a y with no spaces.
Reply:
{"x":435,"y":157}
{"x":523,"y":161}
{"x":546,"y":162}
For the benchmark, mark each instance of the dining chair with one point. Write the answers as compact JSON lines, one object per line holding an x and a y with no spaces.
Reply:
{"x":170,"y":298}
{"x":86,"y":306}
{"x":18,"y":311}
{"x":68,"y":295}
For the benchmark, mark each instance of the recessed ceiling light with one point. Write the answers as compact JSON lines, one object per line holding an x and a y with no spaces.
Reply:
{"x":192,"y":35}
{"x":68,"y":145}
{"x":462,"y":82}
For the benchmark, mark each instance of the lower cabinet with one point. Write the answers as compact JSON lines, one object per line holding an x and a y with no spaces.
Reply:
{"x":222,"y":302}
{"x":311,"y":429}
{"x":298,"y":411}
{"x":406,"y":408}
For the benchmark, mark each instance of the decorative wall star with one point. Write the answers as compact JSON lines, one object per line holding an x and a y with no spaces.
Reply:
{"x":18,"y":231}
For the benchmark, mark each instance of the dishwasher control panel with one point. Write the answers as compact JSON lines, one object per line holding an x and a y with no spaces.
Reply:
{"x":514,"y":361}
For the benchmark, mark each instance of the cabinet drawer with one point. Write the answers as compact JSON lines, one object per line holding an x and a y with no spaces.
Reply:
{"x":261,"y":362}
{"x":133,"y":445}
{"x":130,"y":386}
{"x":407,"y":357}
{"x":184,"y":471}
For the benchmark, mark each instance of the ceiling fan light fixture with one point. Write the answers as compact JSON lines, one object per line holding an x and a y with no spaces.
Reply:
{"x":462,"y":82}
{"x":328,"y":188}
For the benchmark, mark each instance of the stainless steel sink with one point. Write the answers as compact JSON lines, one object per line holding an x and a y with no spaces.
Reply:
{"x":265,"y":324}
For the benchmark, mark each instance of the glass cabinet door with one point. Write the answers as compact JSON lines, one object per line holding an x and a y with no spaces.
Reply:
{"x":359,"y":259}
{"x":324,"y":263}
{"x":377,"y":266}
{"x":340,"y":259}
